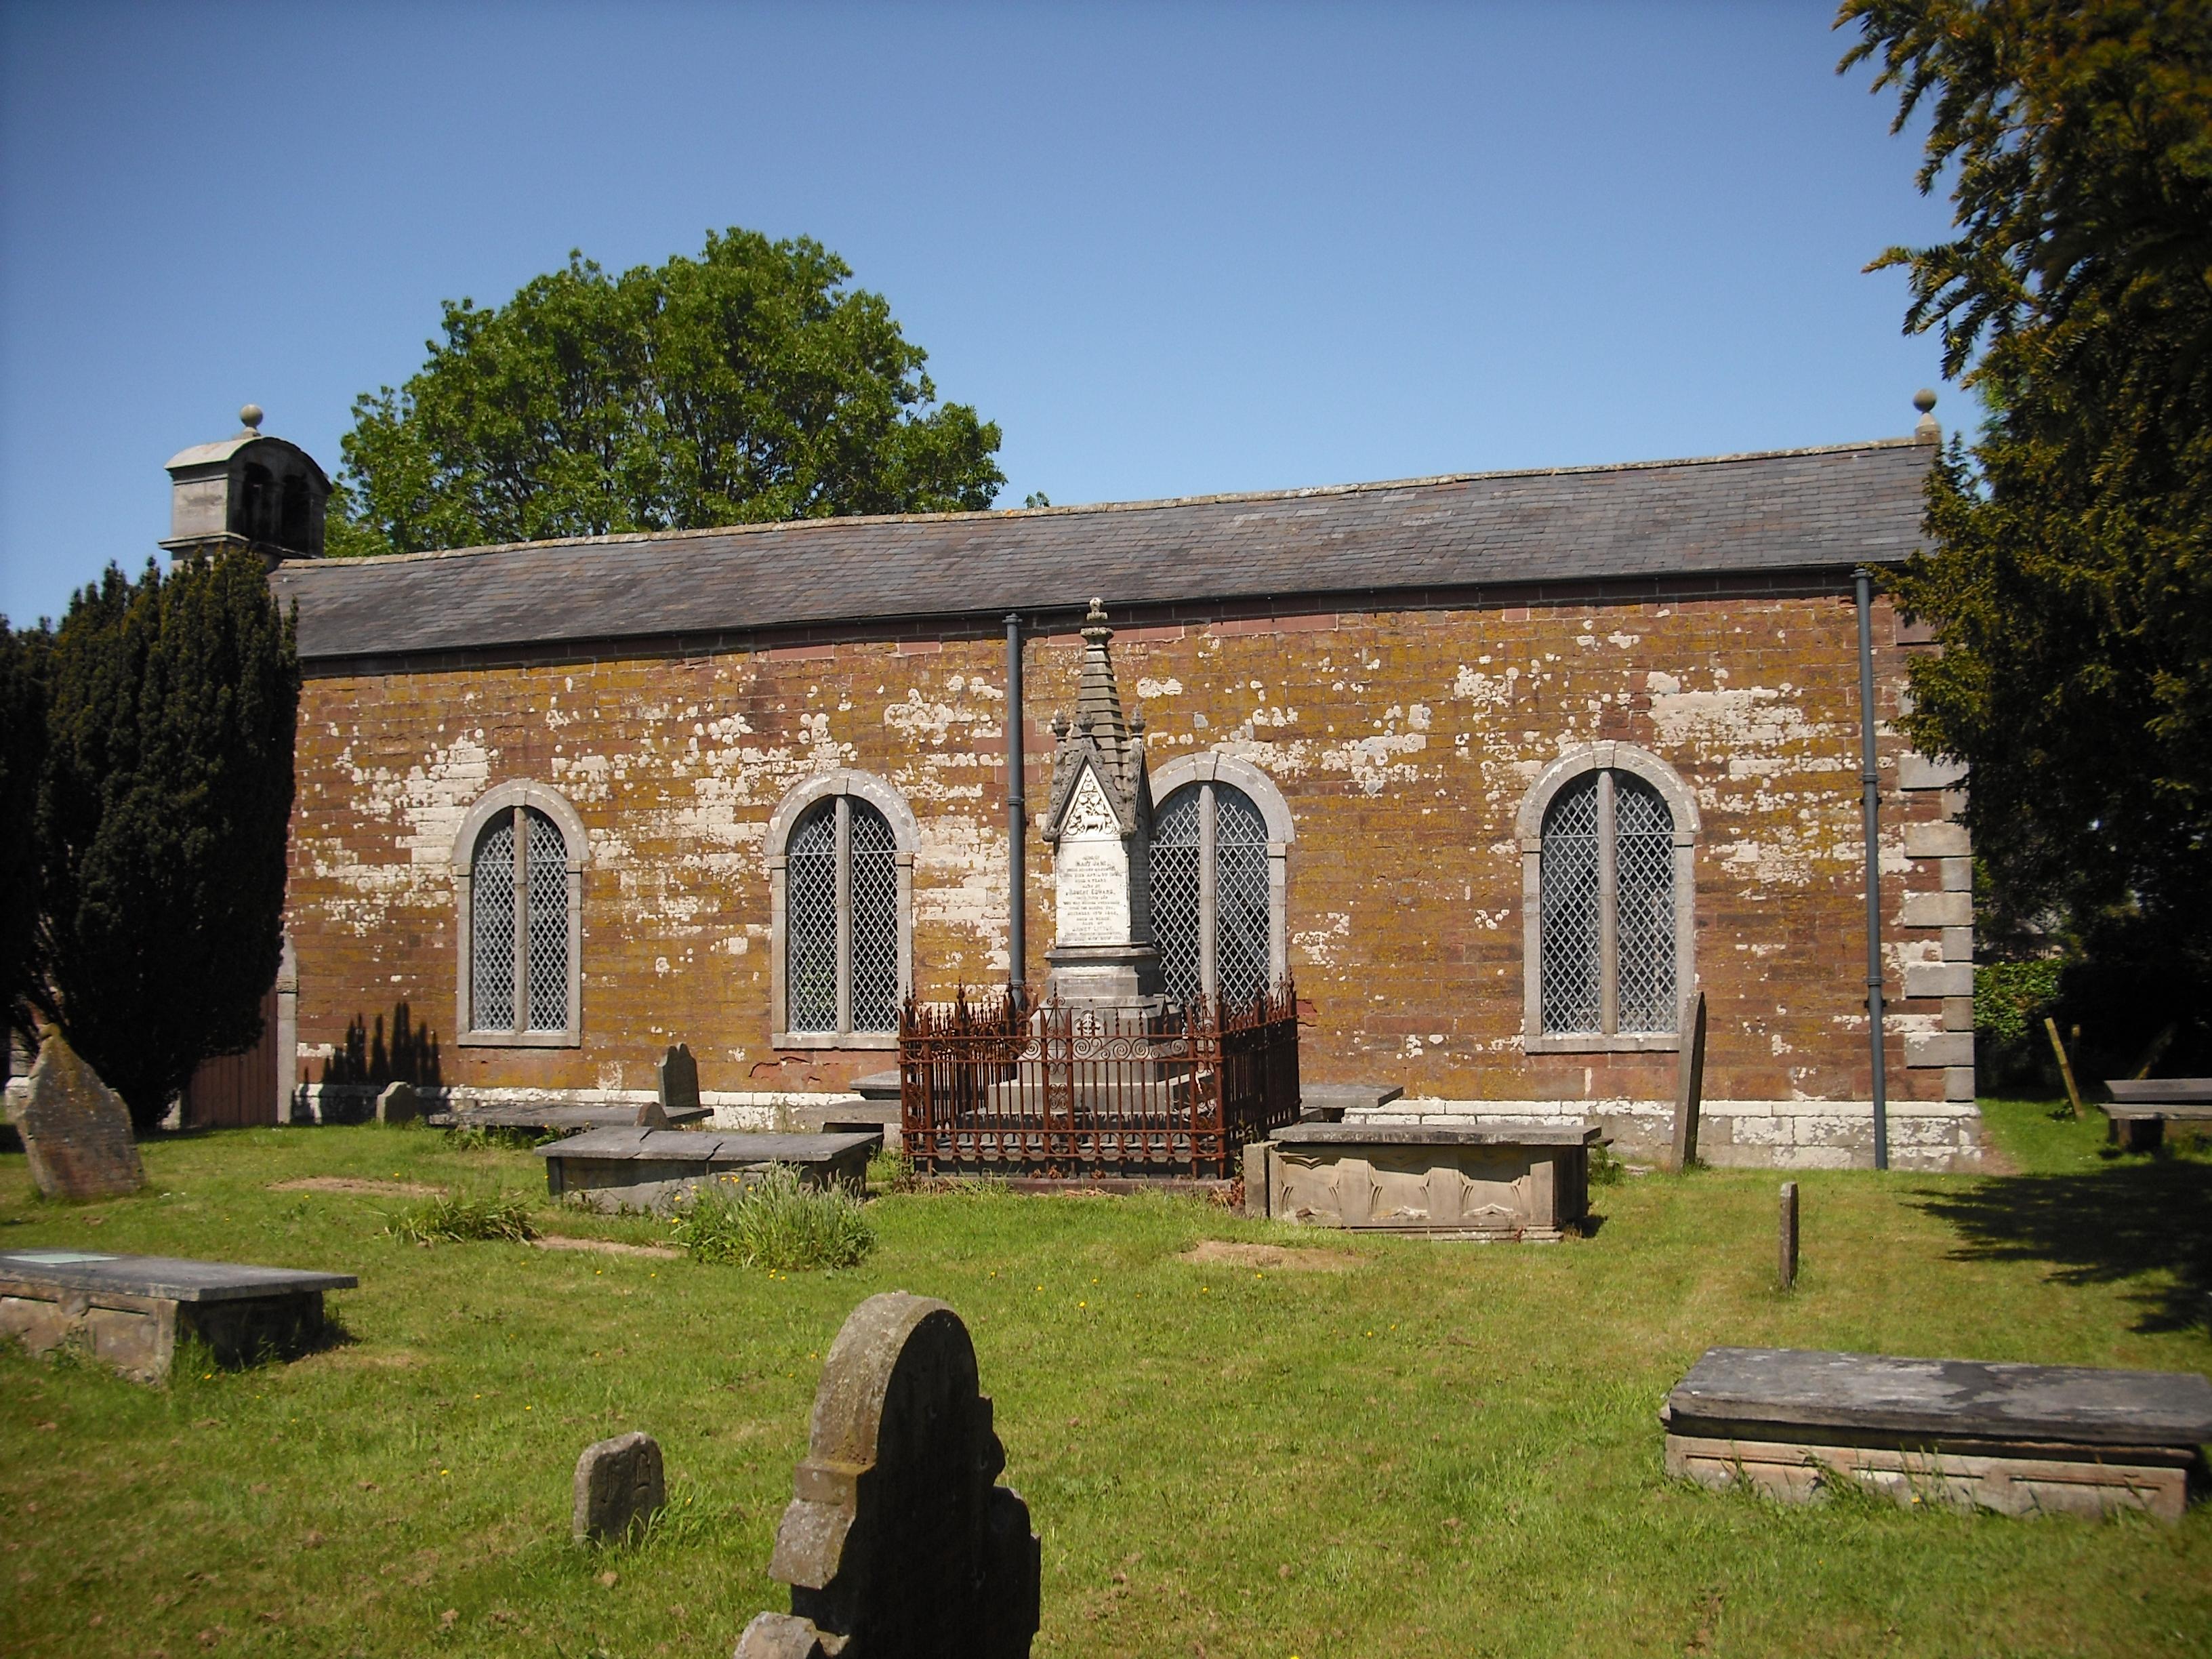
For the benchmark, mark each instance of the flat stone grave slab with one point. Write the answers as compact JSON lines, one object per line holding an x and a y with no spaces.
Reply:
{"x":876,"y":1109}
{"x":564,"y":1119}
{"x":2143,"y":1107}
{"x":130,"y":1311}
{"x":1503,"y":1182}
{"x":651,"y":1169}
{"x":1328,"y":1103}
{"x":2018,"y":1439}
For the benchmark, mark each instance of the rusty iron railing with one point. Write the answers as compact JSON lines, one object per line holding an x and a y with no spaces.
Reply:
{"x":1001,"y":1086}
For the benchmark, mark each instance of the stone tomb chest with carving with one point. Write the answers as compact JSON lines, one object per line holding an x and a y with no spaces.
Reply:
{"x":1514,"y":1182}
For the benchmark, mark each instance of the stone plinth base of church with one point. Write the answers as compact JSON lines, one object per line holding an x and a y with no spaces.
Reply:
{"x":1931,"y":1135}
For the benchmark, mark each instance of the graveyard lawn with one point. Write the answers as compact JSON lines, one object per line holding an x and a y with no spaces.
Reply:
{"x":1447,"y":1449}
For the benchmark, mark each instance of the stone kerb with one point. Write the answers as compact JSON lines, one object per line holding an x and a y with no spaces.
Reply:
{"x":76,"y":1129}
{"x":898,"y":1543}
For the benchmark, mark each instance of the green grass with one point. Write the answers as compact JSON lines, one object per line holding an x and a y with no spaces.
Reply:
{"x":1449,"y":1450}
{"x":775,"y":1221}
{"x":459,"y":1217}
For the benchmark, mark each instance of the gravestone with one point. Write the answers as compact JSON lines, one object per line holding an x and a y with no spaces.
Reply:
{"x":619,"y":1488}
{"x":1785,"y":1267}
{"x":398,"y":1103}
{"x":76,"y":1129}
{"x":1690,"y":1081}
{"x":679,"y":1080}
{"x":898,"y":1544}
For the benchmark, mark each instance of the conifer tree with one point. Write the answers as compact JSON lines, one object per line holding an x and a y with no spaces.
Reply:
{"x":162,"y":818}
{"x":22,"y":755}
{"x":2071,"y":583}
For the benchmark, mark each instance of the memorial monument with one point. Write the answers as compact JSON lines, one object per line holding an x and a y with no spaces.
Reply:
{"x":1098,"y":823}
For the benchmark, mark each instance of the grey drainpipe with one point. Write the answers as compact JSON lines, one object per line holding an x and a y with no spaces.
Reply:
{"x":1870,"y":796}
{"x":1016,"y":815}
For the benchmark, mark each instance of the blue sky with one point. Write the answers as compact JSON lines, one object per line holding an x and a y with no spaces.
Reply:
{"x":1171,"y":249}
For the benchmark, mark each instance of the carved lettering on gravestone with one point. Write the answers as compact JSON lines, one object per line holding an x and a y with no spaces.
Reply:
{"x":1091,"y":870}
{"x":76,"y":1129}
{"x":619,"y":1488}
{"x":898,"y":1543}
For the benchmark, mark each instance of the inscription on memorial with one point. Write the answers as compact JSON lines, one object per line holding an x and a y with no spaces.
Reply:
{"x":1093,"y":888}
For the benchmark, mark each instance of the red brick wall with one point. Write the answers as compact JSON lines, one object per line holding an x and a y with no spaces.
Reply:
{"x":1403,"y":740}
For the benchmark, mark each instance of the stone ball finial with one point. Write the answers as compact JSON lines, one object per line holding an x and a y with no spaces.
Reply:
{"x":1098,"y":611}
{"x":1926,"y":429}
{"x":250,"y":417}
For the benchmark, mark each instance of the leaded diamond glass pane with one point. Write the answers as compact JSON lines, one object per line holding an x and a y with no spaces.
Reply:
{"x":491,"y":929}
{"x":1176,"y":890}
{"x":875,"y":921}
{"x":1240,"y":896}
{"x":546,"y":910}
{"x":810,"y":917}
{"x":1643,"y":905}
{"x":1572,"y":989}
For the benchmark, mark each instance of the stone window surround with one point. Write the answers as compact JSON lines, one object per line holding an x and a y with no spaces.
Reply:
{"x":1212,"y":767}
{"x":1682,"y":806}
{"x":506,"y":798}
{"x":906,"y":835}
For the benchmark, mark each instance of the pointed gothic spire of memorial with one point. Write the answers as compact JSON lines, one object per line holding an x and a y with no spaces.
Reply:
{"x":1098,"y":825}
{"x":1098,"y":698}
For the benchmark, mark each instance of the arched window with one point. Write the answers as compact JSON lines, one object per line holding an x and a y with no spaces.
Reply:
{"x":840,"y":871}
{"x":1220,"y":838}
{"x":1608,"y":842}
{"x":518,"y":864}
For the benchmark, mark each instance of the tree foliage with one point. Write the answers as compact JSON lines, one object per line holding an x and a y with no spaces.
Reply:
{"x":22,"y":755}
{"x":2071,"y":584}
{"x":162,"y":813}
{"x":744,"y":386}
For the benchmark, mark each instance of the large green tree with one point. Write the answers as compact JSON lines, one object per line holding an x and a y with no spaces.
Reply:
{"x":161,"y":820}
{"x":23,"y":757}
{"x":2071,"y":583}
{"x":746,"y":385}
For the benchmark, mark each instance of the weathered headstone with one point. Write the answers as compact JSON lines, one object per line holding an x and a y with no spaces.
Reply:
{"x":898,"y":1544}
{"x":398,"y":1103}
{"x":619,"y":1488}
{"x":76,"y":1129}
{"x":679,"y":1079}
{"x":1690,"y":1081}
{"x":1785,"y":1265}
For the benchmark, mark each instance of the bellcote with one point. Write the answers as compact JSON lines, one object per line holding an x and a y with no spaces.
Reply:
{"x":248,"y":491}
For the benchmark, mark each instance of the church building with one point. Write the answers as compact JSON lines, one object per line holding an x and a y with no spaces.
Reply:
{"x":1497,"y":767}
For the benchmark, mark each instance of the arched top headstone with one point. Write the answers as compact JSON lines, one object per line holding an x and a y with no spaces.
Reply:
{"x":898,"y":1543}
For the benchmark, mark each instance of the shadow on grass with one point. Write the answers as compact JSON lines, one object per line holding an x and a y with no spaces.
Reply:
{"x":2128,"y":1221}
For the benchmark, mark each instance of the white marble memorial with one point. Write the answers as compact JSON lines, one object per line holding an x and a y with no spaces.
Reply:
{"x":1099,"y":826}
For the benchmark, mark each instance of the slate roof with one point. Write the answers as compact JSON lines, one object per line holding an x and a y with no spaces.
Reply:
{"x":1785,"y":511}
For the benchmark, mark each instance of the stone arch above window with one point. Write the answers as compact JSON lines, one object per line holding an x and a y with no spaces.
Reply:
{"x":1608,"y":843}
{"x":1220,"y":876}
{"x":841,"y":849}
{"x":518,"y":884}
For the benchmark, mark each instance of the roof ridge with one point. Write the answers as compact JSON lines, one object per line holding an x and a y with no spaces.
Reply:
{"x":1309,"y":492}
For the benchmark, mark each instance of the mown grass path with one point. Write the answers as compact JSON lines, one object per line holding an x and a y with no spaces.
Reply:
{"x":1447,"y":1449}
